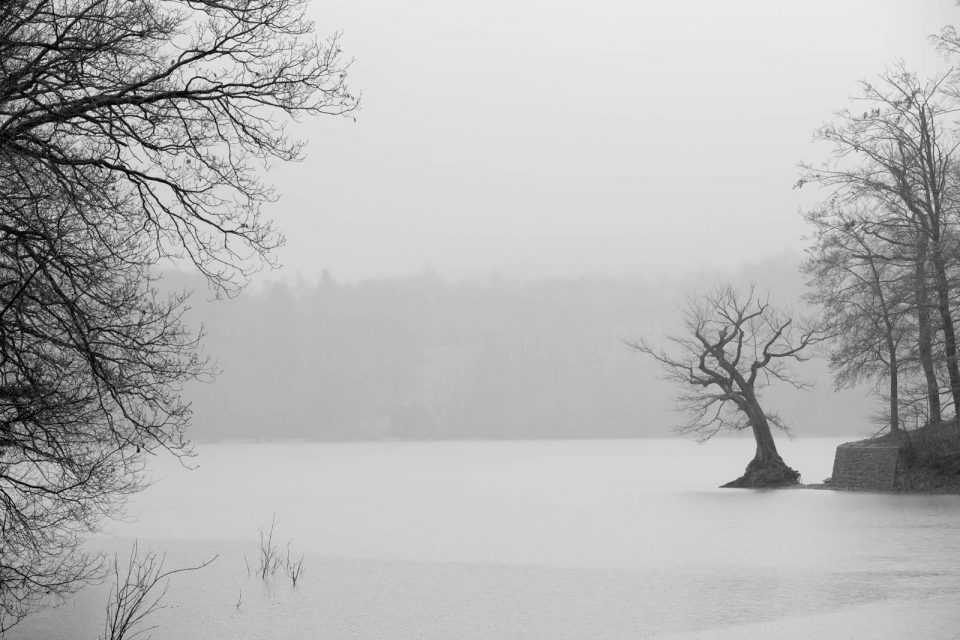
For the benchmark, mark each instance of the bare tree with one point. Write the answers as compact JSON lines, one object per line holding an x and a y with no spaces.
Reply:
{"x":131,"y":135}
{"x":91,"y":364}
{"x":160,"y":111}
{"x":901,"y":154}
{"x":734,"y":345}
{"x":138,"y":593}
{"x":861,"y":275}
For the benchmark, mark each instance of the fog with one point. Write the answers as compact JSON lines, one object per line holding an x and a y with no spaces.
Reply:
{"x":420,"y":357}
{"x":430,"y":410}
{"x":612,"y":138}
{"x":526,"y":187}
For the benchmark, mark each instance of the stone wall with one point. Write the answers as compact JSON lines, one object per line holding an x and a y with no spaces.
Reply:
{"x":927,"y":459}
{"x":865,"y":465}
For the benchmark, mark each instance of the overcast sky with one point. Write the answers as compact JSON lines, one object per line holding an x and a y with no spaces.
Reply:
{"x":552,"y":138}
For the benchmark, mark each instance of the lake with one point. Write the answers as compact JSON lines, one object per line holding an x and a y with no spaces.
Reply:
{"x":532,"y":539}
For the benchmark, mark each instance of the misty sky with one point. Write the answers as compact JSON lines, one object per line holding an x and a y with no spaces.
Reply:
{"x":532,"y":138}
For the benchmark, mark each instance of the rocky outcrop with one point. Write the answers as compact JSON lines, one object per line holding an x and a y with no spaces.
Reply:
{"x":927,"y":459}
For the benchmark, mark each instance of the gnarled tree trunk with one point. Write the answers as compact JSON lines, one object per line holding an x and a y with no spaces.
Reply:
{"x":767,"y":469}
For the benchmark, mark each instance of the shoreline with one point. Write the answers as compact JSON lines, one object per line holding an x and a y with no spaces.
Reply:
{"x":822,"y":486}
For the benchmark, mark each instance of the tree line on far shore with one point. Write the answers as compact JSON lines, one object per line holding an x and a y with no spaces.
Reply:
{"x":419,"y":357}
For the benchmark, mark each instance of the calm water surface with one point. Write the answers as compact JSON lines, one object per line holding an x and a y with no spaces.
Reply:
{"x":571,"y":539}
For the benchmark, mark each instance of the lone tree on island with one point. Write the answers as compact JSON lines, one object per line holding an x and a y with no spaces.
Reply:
{"x":734,"y":345}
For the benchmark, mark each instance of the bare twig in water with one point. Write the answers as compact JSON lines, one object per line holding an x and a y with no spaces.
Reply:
{"x":293,"y":568}
{"x":270,"y":559}
{"x":138,"y":593}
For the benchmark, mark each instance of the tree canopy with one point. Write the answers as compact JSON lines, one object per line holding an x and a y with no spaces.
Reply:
{"x":884,"y":264}
{"x":132,"y":134}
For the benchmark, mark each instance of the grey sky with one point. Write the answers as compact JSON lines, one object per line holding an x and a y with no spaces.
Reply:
{"x":535,"y":138}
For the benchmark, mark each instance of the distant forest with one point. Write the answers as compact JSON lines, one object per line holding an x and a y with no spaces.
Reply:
{"x":422,"y":358}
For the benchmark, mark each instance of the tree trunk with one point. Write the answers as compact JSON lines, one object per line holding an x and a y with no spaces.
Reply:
{"x":894,"y":391}
{"x":766,"y":447}
{"x":925,"y":339}
{"x":889,"y":342}
{"x":767,"y":469}
{"x":949,"y":337}
{"x":933,"y":167}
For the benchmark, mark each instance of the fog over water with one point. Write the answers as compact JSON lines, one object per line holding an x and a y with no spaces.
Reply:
{"x":438,"y":397}
{"x":424,"y":357}
{"x":478,"y":452}
{"x":525,"y":188}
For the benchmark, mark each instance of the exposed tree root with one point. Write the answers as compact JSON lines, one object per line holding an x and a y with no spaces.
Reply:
{"x":761,"y":474}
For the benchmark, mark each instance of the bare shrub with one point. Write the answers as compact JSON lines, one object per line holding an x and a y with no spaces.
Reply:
{"x":270,"y":560}
{"x":138,"y":593}
{"x":293,"y":568}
